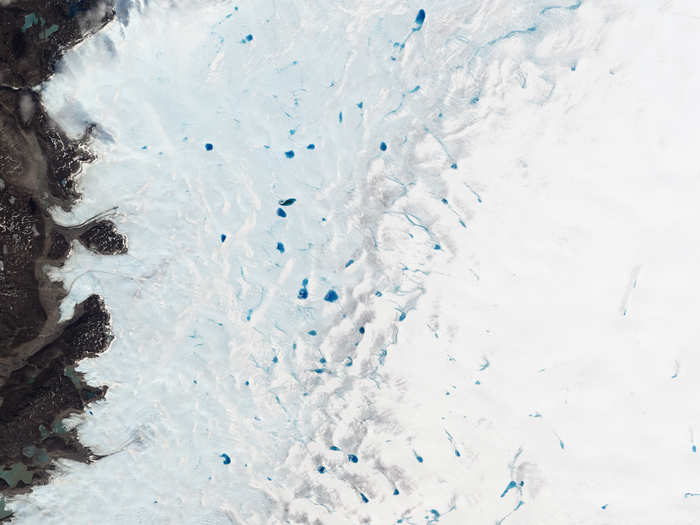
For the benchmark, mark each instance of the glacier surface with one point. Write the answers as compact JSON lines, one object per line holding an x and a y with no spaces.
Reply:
{"x":388,"y":262}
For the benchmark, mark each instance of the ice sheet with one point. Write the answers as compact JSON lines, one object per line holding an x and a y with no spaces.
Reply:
{"x":497,"y":324}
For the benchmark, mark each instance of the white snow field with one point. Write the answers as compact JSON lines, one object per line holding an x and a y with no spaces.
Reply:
{"x":516,"y":338}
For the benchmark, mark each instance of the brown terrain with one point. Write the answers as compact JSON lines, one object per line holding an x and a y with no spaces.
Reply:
{"x":39,"y":164}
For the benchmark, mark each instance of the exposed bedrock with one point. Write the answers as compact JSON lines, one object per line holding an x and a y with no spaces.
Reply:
{"x":39,"y":166}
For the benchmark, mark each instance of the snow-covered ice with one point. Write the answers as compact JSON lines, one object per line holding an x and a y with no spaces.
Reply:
{"x":479,"y":308}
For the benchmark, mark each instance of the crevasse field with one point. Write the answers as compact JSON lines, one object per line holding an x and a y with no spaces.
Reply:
{"x":489,"y":319}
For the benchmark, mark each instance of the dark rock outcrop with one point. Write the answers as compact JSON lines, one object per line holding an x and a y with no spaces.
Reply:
{"x":39,"y":164}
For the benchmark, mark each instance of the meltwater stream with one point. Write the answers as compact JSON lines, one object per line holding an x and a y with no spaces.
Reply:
{"x":292,"y":176}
